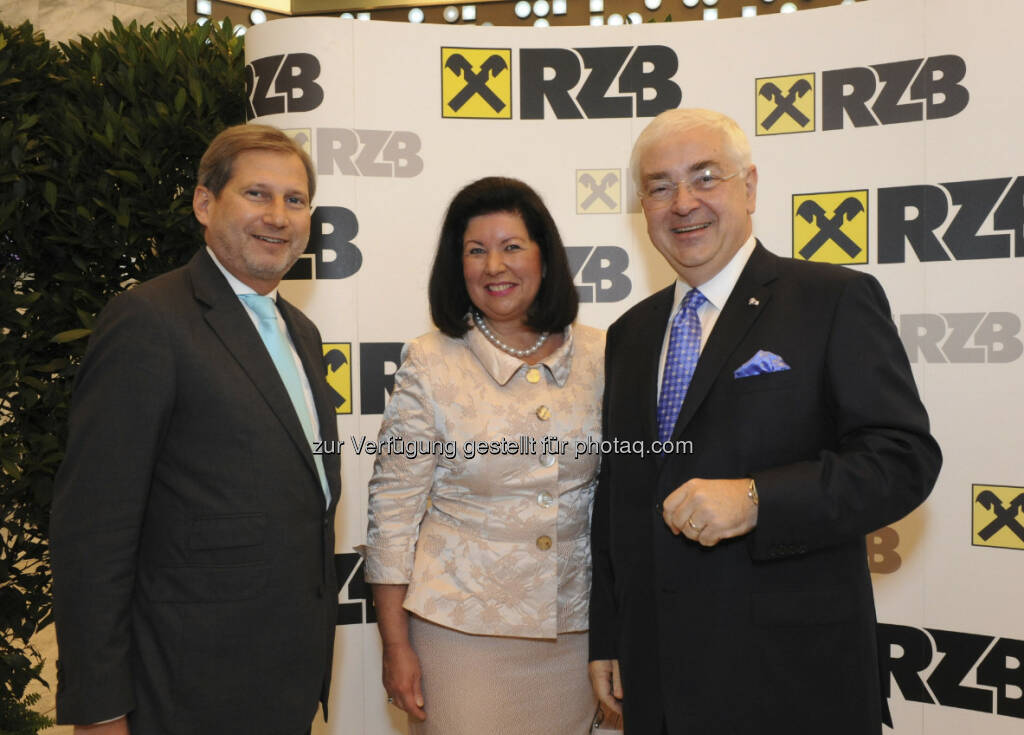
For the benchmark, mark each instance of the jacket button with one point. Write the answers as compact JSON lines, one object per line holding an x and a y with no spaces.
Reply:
{"x":533,"y":375}
{"x":544,"y":500}
{"x":546,"y":460}
{"x":543,"y":413}
{"x":543,"y":543}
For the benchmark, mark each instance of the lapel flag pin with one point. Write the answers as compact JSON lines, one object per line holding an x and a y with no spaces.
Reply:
{"x":753,"y":302}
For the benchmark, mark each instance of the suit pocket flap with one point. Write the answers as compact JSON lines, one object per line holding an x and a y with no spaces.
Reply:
{"x":227,"y":532}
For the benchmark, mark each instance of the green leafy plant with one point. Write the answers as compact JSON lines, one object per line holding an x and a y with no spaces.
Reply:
{"x":99,"y":143}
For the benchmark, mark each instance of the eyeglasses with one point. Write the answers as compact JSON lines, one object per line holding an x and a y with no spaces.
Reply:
{"x":658,"y":192}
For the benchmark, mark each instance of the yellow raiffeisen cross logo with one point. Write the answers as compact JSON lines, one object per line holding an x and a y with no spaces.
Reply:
{"x":785,"y":104}
{"x":598,"y":191}
{"x":476,"y":83}
{"x":338,"y":356}
{"x":998,"y":516}
{"x":831,"y":227}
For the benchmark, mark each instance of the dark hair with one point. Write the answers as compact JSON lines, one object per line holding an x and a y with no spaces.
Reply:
{"x":215,"y":168}
{"x":555,"y":306}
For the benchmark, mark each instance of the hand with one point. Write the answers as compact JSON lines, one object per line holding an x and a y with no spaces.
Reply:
{"x":401,"y":677}
{"x":114,"y":727}
{"x":707,"y":511}
{"x":604,"y":677}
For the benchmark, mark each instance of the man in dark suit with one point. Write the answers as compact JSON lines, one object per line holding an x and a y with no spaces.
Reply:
{"x":731,"y":591}
{"x":192,"y":533}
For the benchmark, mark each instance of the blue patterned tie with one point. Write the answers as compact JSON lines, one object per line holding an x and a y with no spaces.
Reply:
{"x":683,"y":351}
{"x":280,"y":351}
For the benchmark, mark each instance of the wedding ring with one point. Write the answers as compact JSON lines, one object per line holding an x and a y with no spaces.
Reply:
{"x":693,"y":526}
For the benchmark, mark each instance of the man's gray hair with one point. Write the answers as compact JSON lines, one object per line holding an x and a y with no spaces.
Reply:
{"x":671,"y":122}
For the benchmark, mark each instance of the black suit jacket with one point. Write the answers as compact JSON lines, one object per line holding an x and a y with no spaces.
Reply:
{"x":192,"y":550}
{"x":773,"y":632}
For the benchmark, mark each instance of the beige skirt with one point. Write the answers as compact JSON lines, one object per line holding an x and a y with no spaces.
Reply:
{"x":491,"y":685}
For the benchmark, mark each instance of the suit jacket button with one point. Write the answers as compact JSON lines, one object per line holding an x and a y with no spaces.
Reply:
{"x":659,"y":508}
{"x":543,"y":543}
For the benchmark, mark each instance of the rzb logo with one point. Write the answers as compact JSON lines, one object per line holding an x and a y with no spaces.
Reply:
{"x":338,"y":360}
{"x":602,"y":271}
{"x":931,"y":85}
{"x":998,"y":513}
{"x":864,"y":96}
{"x":965,"y":338}
{"x":955,"y":669}
{"x":293,"y":77}
{"x":476,"y":83}
{"x":355,"y":603}
{"x":642,"y":76}
{"x":598,"y":191}
{"x":330,"y":246}
{"x":987,"y":220}
{"x":791,"y":111}
{"x":831,"y":228}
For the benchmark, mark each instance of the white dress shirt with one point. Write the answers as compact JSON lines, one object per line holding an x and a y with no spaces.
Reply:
{"x":716,"y":291}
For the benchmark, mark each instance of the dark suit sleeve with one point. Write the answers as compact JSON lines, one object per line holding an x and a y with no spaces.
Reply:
{"x":122,"y":399}
{"x":881,"y":462}
{"x":603,"y":612}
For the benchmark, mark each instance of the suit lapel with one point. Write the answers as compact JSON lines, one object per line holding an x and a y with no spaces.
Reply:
{"x":232,"y":325}
{"x":746,"y":303}
{"x":311,"y":350}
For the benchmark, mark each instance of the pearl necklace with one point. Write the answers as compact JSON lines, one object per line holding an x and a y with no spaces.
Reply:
{"x":493,"y":338}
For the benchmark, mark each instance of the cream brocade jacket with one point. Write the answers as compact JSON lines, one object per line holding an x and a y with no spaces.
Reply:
{"x":496,"y":544}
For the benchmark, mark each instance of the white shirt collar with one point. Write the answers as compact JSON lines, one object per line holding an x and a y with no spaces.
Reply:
{"x":718,"y":289}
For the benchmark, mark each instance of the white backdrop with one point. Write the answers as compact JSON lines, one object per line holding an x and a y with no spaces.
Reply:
{"x":903,"y":137}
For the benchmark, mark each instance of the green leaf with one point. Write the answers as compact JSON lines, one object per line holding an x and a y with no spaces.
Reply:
{"x":11,"y":469}
{"x":70,"y":335}
{"x":124,"y":175}
{"x":50,"y":193}
{"x":180,"y":99}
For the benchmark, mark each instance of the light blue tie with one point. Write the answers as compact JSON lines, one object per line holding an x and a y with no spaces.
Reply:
{"x":281,"y":353}
{"x":680,"y":362}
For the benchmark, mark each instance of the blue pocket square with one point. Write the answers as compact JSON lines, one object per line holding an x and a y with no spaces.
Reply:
{"x":761,"y":363}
